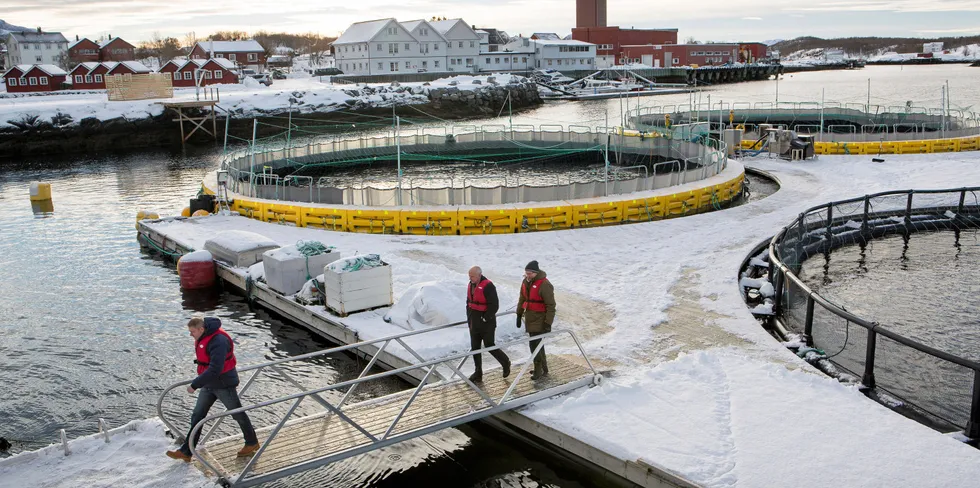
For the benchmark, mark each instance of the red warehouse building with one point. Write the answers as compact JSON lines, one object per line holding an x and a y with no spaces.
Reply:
{"x":116,"y":49}
{"x":34,"y":78}
{"x":610,"y":41}
{"x":212,"y":72}
{"x":83,"y":50}
{"x":752,"y":52}
{"x":668,"y":55}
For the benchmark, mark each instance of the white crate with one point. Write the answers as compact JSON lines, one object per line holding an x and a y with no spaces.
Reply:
{"x":357,"y":290}
{"x":286,"y":270}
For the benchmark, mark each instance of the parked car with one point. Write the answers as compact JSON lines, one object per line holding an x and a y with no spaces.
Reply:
{"x":326,"y":72}
{"x":278,"y":74}
{"x":263,"y":78}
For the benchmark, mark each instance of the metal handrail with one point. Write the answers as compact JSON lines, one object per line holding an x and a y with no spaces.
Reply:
{"x":357,"y":345}
{"x":780,"y":271}
{"x":431,"y":364}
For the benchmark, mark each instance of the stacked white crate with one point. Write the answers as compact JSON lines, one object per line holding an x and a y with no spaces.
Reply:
{"x":286,"y":268}
{"x":239,"y":248}
{"x":352,"y":291}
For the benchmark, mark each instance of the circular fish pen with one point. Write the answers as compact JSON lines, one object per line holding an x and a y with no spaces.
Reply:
{"x":913,"y":368}
{"x":488,"y":165}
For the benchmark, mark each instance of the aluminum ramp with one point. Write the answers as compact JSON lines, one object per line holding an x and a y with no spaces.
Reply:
{"x":443,"y":398}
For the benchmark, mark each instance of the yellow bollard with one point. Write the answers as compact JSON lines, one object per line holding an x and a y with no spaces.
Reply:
{"x":40,"y":191}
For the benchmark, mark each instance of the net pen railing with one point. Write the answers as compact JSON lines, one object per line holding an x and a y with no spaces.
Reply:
{"x":873,"y":351}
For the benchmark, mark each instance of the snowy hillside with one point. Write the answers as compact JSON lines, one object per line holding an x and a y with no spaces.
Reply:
{"x":5,"y":28}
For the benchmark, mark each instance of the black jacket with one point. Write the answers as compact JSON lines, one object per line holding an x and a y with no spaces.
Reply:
{"x":488,"y":317}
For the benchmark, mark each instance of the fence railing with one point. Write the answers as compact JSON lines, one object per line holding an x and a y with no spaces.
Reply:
{"x":432,"y":372}
{"x":666,"y":161}
{"x":825,"y":227}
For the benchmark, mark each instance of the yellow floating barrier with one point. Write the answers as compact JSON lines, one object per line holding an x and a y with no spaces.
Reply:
{"x":283,"y":214}
{"x":681,"y":204}
{"x":596,"y":214}
{"x":487,"y":221}
{"x":325,"y":218}
{"x":373,"y":221}
{"x":430,"y":222}
{"x":248,"y":208}
{"x":642,"y":209}
{"x":544,"y":218}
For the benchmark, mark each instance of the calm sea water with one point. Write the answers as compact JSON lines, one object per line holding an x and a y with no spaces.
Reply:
{"x":95,"y":328}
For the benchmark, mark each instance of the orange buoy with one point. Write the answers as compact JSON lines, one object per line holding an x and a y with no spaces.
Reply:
{"x":196,"y":270}
{"x":201,"y":213}
{"x":186,"y":212}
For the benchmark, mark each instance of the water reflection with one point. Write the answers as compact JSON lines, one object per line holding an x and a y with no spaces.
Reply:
{"x":42,"y":208}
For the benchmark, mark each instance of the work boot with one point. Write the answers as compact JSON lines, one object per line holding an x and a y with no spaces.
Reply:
{"x":248,"y":450}
{"x":477,"y":377}
{"x":535,"y":374}
{"x":506,"y":367}
{"x":178,"y":454}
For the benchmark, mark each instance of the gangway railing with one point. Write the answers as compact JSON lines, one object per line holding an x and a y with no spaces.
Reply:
{"x":378,"y":422}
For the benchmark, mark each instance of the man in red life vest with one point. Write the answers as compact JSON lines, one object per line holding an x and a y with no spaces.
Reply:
{"x":217,"y":379}
{"x":481,"y":315}
{"x":536,"y":305}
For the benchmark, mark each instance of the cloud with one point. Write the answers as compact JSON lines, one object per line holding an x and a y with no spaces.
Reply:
{"x":751,"y":18}
{"x":949,"y":31}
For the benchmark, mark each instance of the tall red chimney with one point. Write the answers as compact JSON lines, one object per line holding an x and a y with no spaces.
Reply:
{"x":590,"y":13}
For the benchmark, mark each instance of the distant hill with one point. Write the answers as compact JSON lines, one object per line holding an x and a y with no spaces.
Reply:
{"x":5,"y":28}
{"x":871,"y":46}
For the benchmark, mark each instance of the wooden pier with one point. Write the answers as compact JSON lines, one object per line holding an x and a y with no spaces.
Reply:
{"x":209,"y":100}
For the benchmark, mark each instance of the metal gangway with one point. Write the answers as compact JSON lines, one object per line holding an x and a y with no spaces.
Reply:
{"x":444,"y":397}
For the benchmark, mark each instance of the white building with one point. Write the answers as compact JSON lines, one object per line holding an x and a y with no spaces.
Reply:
{"x":517,"y":55}
{"x":463,"y":53}
{"x":563,"y":54}
{"x":35,"y":47}
{"x":932,"y":47}
{"x":386,"y":46}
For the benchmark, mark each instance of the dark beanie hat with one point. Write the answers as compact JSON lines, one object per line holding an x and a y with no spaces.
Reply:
{"x":532,"y":266}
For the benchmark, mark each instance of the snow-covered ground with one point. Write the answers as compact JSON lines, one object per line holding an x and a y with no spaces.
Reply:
{"x":245,"y":99}
{"x":695,"y":385}
{"x":815,"y":57}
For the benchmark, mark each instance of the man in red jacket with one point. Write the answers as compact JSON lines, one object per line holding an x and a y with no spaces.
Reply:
{"x":217,"y":379}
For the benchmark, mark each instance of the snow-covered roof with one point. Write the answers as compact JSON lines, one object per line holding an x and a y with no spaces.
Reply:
{"x":278,"y":58}
{"x":411,"y":25}
{"x":444,"y":26}
{"x":79,"y":42}
{"x":136,"y":66}
{"x":546,"y":36}
{"x":110,"y":65}
{"x":224,"y":63}
{"x":362,"y":31}
{"x":34,"y":36}
{"x":87,"y":66}
{"x":111,"y":40}
{"x":249,"y":46}
{"x":49,"y":69}
{"x":561,"y":42}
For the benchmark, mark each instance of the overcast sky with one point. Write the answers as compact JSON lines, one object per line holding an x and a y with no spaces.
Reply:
{"x":704,"y":20}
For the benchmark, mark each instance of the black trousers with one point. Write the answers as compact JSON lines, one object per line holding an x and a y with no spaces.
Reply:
{"x":482,"y":335}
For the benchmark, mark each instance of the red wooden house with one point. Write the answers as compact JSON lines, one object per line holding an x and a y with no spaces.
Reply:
{"x":127,"y":68}
{"x":116,"y":49}
{"x":34,"y":78}
{"x":88,"y":76}
{"x":83,"y":50}
{"x":210,"y":72}
{"x":243,"y":53}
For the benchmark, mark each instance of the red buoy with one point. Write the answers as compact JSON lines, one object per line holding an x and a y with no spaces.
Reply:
{"x":196,"y":270}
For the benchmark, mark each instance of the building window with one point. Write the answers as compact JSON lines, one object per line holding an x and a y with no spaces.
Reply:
{"x":436,"y":63}
{"x":460,"y":44}
{"x":486,"y":60}
{"x":188,"y":75}
{"x":406,"y":65}
{"x":549,"y":62}
{"x":39,"y":60}
{"x":253,"y":57}
{"x":676,"y":61}
{"x":47,"y":46}
{"x":393,"y":66}
{"x":167,"y":75}
{"x":452,"y":61}
{"x":78,"y":78}
{"x":44,"y":80}
{"x":232,"y":57}
{"x":436,"y":48}
{"x":218,"y":74}
{"x":88,"y":78}
{"x":32,"y":80}
{"x":380,"y":66}
{"x":524,"y":59}
{"x":496,"y":60}
{"x":207,"y":74}
{"x":12,"y":81}
{"x":222,"y":56}
{"x":379,"y":46}
{"x":469,"y":61}
{"x":425,"y":64}
{"x":406,"y":47}
{"x":472,"y":44}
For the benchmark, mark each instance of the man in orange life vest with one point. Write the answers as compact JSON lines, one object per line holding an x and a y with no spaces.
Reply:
{"x":217,"y":379}
{"x":481,"y":315}
{"x":536,"y":305}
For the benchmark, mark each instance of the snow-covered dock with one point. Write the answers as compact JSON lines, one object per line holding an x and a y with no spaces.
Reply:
{"x":695,"y":390}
